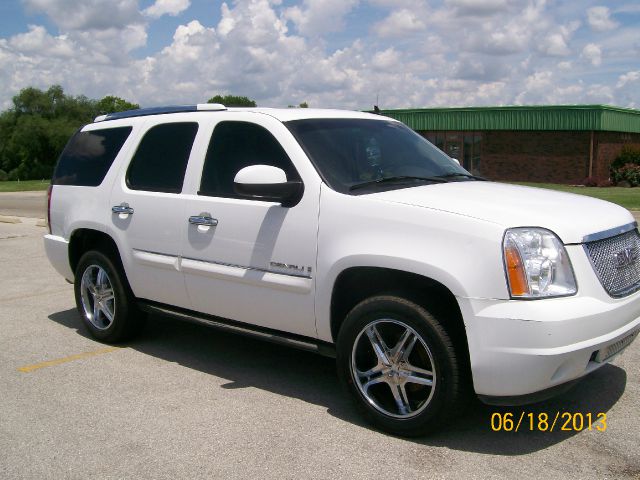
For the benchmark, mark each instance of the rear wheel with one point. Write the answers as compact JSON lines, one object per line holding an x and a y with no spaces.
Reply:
{"x":104,"y":300}
{"x":399,"y":364}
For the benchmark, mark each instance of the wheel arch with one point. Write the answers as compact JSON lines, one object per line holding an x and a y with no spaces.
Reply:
{"x":84,"y":239}
{"x":356,"y":283}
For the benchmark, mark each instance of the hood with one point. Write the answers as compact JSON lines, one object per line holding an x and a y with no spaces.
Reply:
{"x":568,"y":215}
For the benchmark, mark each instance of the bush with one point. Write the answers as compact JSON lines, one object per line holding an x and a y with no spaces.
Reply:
{"x":590,"y":182}
{"x":627,"y":155}
{"x":3,"y":176}
{"x":628,"y":173}
{"x":605,"y":184}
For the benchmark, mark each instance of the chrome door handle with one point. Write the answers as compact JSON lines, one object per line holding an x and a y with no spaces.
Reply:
{"x":123,"y":208}
{"x":203,"y":220}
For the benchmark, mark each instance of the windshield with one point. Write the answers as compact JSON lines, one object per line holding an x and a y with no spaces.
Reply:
{"x":349,"y":153}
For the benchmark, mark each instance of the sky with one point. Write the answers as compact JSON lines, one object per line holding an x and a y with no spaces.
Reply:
{"x":329,"y":53}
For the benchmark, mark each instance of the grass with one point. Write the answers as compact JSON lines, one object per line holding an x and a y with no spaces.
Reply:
{"x":24,"y":186}
{"x":626,"y":197}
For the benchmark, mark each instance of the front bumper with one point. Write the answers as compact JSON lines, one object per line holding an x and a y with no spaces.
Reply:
{"x":519,"y":348}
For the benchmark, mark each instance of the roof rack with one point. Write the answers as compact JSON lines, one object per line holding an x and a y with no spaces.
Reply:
{"x":141,"y":112}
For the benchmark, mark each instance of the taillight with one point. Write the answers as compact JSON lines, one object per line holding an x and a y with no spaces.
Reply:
{"x":49,"y":192}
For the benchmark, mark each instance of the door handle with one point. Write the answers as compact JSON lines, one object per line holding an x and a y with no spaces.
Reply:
{"x":123,"y":208}
{"x":203,"y":220}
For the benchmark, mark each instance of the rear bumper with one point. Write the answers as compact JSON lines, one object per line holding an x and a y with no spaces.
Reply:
{"x":526,"y":349}
{"x":57,"y":249}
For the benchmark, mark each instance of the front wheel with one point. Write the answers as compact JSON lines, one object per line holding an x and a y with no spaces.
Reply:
{"x":399,"y":364}
{"x":103,"y":299}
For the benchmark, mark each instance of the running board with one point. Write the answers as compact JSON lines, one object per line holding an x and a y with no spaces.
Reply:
{"x":274,"y":336}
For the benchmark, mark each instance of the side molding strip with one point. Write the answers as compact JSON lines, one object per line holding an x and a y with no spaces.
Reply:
{"x":249,"y":276}
{"x":157,"y":260}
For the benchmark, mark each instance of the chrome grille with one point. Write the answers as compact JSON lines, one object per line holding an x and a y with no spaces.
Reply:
{"x":616,"y":261}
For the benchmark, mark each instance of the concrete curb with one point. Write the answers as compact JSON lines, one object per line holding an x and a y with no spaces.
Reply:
{"x":4,"y":219}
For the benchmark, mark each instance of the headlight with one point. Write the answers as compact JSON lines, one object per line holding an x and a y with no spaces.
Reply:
{"x":537,"y":265}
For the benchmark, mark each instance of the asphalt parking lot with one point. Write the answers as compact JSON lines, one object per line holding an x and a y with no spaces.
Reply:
{"x":23,"y":204}
{"x":184,"y":401}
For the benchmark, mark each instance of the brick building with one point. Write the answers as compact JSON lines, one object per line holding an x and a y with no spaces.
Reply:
{"x":556,"y":144}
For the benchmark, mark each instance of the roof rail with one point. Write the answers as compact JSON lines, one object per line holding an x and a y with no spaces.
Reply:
{"x":141,"y":112}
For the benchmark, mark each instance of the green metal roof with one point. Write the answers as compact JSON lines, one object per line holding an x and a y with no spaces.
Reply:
{"x":603,"y":118}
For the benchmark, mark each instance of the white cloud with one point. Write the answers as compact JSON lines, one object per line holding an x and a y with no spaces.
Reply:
{"x":599,"y":94}
{"x":87,"y":14}
{"x":627,"y":89}
{"x":386,"y":60}
{"x":512,"y":38}
{"x":556,"y":43}
{"x":515,"y":30}
{"x":399,"y":23}
{"x":628,"y":8}
{"x":317,"y":17}
{"x":514,"y":51}
{"x":539,"y":81}
{"x":600,"y":20}
{"x":477,"y":7}
{"x":167,"y":7}
{"x":38,"y":41}
{"x":593,"y":53}
{"x":629,"y":77}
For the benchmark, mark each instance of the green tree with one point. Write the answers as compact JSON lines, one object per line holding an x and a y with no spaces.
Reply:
{"x":111,"y":104}
{"x":302,"y":105}
{"x":34,"y":132}
{"x":32,"y":101}
{"x":232,"y":101}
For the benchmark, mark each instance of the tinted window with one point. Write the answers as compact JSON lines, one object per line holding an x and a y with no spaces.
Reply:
{"x":235,"y":145}
{"x":348,"y":152}
{"x":88,"y":156}
{"x":160,"y":162}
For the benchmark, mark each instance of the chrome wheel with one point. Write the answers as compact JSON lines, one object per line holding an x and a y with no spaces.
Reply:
{"x":98,"y":299}
{"x":393,"y":368}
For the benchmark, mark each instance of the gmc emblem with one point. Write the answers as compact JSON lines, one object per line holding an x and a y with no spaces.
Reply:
{"x":626,"y":257}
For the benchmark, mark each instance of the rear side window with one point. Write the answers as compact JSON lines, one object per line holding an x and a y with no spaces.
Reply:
{"x":235,"y":145}
{"x":160,"y":162}
{"x":88,"y":156}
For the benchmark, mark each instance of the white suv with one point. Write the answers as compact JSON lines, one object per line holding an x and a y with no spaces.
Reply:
{"x":347,"y":234}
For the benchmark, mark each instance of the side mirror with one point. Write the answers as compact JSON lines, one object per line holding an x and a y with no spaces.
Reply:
{"x":269,"y":184}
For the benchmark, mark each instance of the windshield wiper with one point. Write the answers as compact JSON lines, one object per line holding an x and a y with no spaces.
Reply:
{"x":465,"y":175}
{"x":398,"y":178}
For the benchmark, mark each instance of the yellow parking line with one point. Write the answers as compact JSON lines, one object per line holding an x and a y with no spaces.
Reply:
{"x":70,"y":358}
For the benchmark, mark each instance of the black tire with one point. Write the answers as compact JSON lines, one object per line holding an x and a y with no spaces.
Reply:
{"x":126,"y":320}
{"x":416,"y":408}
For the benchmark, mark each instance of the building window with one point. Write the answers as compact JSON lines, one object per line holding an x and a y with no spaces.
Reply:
{"x":453,"y":148}
{"x":463,"y":146}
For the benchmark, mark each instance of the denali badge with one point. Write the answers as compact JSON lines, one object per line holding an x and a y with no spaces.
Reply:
{"x":292,"y":268}
{"x":626,"y":257}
